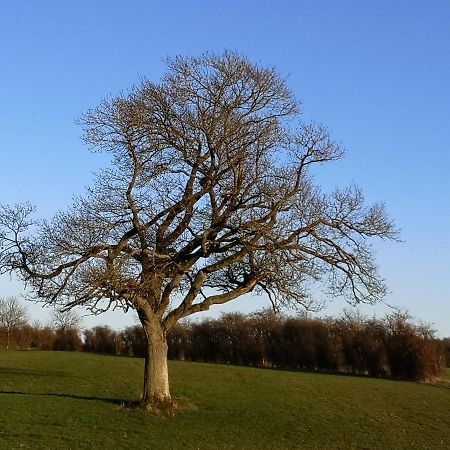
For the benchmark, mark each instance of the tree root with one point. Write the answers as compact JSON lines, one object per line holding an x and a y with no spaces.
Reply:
{"x":160,"y":407}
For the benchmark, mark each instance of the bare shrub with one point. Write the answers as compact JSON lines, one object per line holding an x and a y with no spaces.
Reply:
{"x":412,"y":350}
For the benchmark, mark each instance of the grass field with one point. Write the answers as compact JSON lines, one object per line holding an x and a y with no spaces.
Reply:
{"x":72,"y":400}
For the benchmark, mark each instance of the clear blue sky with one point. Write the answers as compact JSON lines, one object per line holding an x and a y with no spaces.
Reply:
{"x":376,"y":73}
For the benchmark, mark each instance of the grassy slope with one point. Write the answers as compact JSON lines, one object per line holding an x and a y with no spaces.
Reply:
{"x":69,"y":400}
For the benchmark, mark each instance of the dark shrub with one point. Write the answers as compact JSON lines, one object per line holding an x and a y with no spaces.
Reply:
{"x":445,"y":346}
{"x":413,"y":352}
{"x":67,"y":339}
{"x":133,"y":341}
{"x":104,"y":340}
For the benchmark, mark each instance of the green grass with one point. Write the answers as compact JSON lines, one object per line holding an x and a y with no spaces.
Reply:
{"x":71,"y":400}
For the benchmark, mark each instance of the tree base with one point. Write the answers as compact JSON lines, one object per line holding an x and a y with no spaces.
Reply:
{"x":160,"y":407}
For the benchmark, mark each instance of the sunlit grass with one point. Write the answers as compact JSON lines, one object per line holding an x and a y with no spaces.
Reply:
{"x":73,"y":400}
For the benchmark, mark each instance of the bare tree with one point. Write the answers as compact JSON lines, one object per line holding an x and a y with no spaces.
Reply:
{"x":65,"y":320}
{"x":209,"y":196}
{"x":12,"y":316}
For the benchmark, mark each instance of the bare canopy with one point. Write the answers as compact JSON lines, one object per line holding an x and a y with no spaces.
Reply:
{"x":209,"y":197}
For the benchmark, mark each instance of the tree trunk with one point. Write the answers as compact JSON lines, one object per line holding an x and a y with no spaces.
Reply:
{"x":156,"y":395}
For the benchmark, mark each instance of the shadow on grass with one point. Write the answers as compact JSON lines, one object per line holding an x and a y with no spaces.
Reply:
{"x":34,"y":373}
{"x":440,"y":385}
{"x":114,"y":401}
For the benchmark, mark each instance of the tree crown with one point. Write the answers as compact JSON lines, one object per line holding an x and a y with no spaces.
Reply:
{"x":209,"y":197}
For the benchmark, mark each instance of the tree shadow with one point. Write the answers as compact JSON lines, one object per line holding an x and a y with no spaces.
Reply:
{"x":440,"y":385}
{"x":115,"y":401}
{"x":33,"y":373}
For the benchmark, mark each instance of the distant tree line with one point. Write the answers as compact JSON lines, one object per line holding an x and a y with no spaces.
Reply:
{"x":16,"y":332}
{"x":390,"y":347}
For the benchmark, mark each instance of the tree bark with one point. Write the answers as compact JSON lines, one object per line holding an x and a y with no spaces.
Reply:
{"x":156,"y":394}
